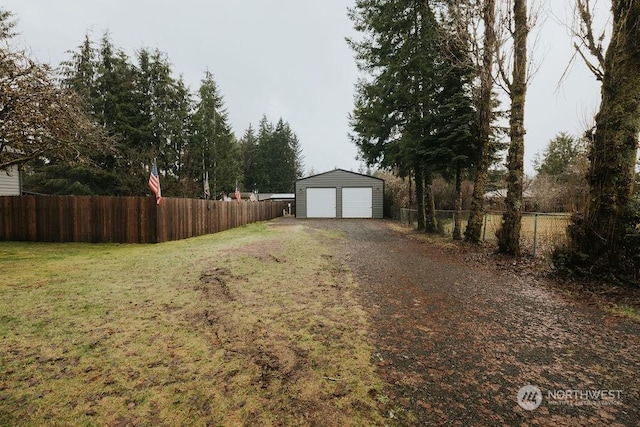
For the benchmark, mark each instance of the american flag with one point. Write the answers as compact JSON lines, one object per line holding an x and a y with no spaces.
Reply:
{"x":154,"y":182}
{"x":238,"y":195}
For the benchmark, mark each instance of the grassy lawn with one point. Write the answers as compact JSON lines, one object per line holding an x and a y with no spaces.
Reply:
{"x":256,"y":325}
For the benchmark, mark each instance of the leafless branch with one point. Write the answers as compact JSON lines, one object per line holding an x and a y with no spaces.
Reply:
{"x":595,"y":69}
{"x":37,"y":117}
{"x":583,"y":30}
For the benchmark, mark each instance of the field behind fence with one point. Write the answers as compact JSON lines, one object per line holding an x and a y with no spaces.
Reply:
{"x":123,"y":219}
{"x":541,"y":232}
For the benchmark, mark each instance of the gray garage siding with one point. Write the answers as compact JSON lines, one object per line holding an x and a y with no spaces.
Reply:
{"x":339,"y":179}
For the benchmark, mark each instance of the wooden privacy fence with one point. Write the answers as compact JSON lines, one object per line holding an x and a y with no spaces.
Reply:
{"x":101,"y":219}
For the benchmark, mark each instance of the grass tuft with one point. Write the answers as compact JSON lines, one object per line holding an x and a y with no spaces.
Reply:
{"x":623,"y":310}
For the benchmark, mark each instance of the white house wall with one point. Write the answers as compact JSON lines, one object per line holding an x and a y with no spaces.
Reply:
{"x":10,"y":182}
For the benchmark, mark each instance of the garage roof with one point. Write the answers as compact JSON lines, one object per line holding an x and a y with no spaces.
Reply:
{"x":342,"y":170}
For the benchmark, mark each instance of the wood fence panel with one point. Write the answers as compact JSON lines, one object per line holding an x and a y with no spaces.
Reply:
{"x":123,"y":219}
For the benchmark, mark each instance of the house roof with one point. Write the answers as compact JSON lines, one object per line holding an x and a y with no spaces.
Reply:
{"x":340,"y":170}
{"x":275,"y":196}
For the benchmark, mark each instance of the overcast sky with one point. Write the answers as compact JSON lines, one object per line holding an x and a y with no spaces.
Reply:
{"x":285,"y":58}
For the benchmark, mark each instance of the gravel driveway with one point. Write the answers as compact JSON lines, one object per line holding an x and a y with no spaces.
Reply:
{"x":456,"y":342}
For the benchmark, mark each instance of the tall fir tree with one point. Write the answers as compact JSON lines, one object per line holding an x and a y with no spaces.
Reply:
{"x":249,"y":153}
{"x":79,"y":72}
{"x":457,"y":126}
{"x":116,"y":108}
{"x":214,"y":150}
{"x":56,"y":175}
{"x":179,"y":137}
{"x":394,"y":119}
{"x":279,"y":160}
{"x":163,"y":127}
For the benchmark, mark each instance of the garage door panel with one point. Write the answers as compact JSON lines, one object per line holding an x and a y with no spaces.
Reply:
{"x":321,"y":202}
{"x":357,"y":202}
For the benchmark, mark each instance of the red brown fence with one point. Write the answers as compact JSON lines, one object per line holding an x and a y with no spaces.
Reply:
{"x":123,"y":219}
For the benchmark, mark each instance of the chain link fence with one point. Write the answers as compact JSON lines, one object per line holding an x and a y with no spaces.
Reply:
{"x":540,"y":234}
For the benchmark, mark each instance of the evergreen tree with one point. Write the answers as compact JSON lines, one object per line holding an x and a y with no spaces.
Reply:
{"x":394,"y":118}
{"x":456,"y":120}
{"x":79,"y":73}
{"x":179,"y":127}
{"x":264,"y":160}
{"x":214,"y":149}
{"x":561,"y":153}
{"x":278,"y":157}
{"x":58,"y":176}
{"x":248,"y":150}
{"x":117,"y":109}
{"x":287,"y":147}
{"x":295,"y":157}
{"x":163,"y":123}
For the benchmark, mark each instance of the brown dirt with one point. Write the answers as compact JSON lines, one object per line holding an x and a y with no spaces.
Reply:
{"x":456,"y":334}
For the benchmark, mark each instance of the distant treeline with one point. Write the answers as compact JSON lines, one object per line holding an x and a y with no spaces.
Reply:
{"x":147,"y":113}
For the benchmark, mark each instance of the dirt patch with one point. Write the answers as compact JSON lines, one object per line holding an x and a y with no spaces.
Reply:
{"x":278,"y":359}
{"x":213,"y":282}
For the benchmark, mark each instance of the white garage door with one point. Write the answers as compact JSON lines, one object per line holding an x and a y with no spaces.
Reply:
{"x":357,"y":203}
{"x":321,"y":202}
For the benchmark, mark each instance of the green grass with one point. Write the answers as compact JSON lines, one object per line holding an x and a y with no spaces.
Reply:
{"x":257,"y":325}
{"x":623,"y":310}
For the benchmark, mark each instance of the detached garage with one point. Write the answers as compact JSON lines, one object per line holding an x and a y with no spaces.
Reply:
{"x":339,"y":194}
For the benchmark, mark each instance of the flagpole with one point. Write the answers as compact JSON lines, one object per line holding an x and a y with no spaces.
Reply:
{"x":154,"y":181}
{"x":207,"y":190}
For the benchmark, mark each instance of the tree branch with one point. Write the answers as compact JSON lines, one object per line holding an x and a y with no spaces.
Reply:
{"x":586,"y":35}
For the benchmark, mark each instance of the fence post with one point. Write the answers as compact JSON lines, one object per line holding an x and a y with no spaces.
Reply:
{"x":484,"y":230}
{"x":535,"y":233}
{"x":453,"y":222}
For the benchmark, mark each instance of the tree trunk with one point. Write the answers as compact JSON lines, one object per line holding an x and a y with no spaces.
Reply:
{"x":419,"y":177}
{"x":473,"y":232}
{"x":410,"y":205}
{"x":614,"y":143}
{"x":431,"y":222}
{"x":457,"y":220}
{"x":509,"y":234}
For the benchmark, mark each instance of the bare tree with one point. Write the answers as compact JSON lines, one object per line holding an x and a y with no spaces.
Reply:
{"x":515,"y":25}
{"x":485,"y":115}
{"x":37,"y":118}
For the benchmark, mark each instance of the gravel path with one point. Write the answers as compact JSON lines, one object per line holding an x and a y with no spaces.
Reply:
{"x":456,"y":342}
